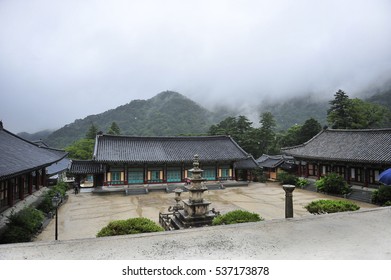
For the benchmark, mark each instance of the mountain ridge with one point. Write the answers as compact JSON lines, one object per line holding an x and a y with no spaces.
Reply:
{"x":170,"y":113}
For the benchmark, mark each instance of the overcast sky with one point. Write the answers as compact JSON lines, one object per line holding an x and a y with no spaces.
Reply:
{"x":64,"y":60}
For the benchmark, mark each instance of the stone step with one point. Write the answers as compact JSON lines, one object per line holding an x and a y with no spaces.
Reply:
{"x":360,"y":195}
{"x":136,"y":191}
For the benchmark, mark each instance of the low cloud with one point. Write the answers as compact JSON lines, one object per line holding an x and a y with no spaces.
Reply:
{"x":63,"y":60}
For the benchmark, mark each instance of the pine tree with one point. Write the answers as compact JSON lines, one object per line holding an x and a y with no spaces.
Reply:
{"x":114,"y":129}
{"x":338,"y":116}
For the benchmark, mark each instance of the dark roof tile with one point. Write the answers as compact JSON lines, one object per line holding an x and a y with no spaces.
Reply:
{"x":18,"y":156}
{"x":365,"y":146}
{"x":109,"y":148}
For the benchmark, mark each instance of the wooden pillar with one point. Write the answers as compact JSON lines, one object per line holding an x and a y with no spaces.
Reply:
{"x":145,"y":174}
{"x":44,"y":181}
{"x":30,"y":182}
{"x":306,"y":170}
{"x":36,"y":180}
{"x":21,"y":187}
{"x":10,"y":187}
{"x":366,"y":177}
{"x":126,"y":174}
{"x":319,"y":171}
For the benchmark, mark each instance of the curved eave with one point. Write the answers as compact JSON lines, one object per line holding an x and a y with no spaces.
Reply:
{"x":22,"y":172}
{"x":341,"y":160}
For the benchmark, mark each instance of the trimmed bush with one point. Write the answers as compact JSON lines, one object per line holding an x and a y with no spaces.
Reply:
{"x":325,"y":206}
{"x":46,"y":204}
{"x":302,"y":182}
{"x":286,"y":178}
{"x":235,"y":217}
{"x":22,"y":226}
{"x":333,"y":183}
{"x":129,"y":226}
{"x":15,"y":234}
{"x":382,"y":195}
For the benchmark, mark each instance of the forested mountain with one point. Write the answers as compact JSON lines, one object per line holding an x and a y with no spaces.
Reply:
{"x":382,"y":97}
{"x":168,"y":113}
{"x":297,"y":110}
{"x":35,"y":136}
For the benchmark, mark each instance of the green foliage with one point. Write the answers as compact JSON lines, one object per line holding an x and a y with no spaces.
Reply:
{"x":114,"y":129}
{"x":310,"y":128}
{"x":46,"y":205}
{"x":333,"y":183}
{"x":324,"y":206}
{"x":302,"y":182}
{"x":346,"y":113}
{"x":382,"y":195}
{"x":338,"y":114}
{"x":241,"y":130}
{"x":82,"y":149}
{"x":286,"y":178}
{"x":23,"y":225}
{"x":235,"y":217}
{"x":129,"y":226}
{"x":296,"y":110}
{"x":167,"y":114}
{"x":92,"y":131}
{"x":267,"y":135}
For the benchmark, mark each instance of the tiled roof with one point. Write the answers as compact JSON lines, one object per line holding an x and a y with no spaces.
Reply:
{"x":273,"y":161}
{"x":365,"y":146}
{"x":86,"y":167}
{"x":248,"y":163}
{"x":58,"y":167}
{"x":109,"y":148}
{"x":18,"y":156}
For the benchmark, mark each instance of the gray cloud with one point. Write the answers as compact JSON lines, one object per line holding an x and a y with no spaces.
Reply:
{"x":62,"y":60}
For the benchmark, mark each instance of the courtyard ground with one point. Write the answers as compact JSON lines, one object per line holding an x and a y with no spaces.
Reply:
{"x":85,"y":214}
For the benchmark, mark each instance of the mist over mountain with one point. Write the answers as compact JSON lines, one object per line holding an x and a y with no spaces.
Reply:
{"x":40,"y":135}
{"x":170,"y":113}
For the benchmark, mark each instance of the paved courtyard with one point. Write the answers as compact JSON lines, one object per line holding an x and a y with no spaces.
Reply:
{"x":85,"y":214}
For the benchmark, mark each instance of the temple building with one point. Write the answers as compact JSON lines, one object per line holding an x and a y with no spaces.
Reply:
{"x":23,"y":167}
{"x":357,"y":155}
{"x":132,"y":160}
{"x":274,"y":164}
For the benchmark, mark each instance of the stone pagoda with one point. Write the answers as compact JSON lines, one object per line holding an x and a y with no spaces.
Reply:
{"x":194,"y":212}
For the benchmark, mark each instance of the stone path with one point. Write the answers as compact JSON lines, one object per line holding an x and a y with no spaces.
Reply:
{"x":85,"y":214}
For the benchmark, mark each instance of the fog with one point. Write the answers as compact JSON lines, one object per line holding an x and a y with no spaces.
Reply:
{"x":64,"y":60}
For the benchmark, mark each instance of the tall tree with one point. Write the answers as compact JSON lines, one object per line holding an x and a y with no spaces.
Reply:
{"x":114,"y":129}
{"x":355,"y":113}
{"x":92,"y":131}
{"x":310,"y":128}
{"x":338,"y":115}
{"x":367,"y":115}
{"x":266,"y":133}
{"x":81,"y":149}
{"x":241,"y":130}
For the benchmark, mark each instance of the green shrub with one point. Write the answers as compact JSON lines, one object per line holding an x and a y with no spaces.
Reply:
{"x":286,"y":178}
{"x":333,"y":183}
{"x":236,"y":216}
{"x":15,"y":234}
{"x":382,"y":195}
{"x":330,"y":206}
{"x":28,"y":218}
{"x":23,"y":225}
{"x":129,"y":226}
{"x":302,"y":182}
{"x":46,"y":205}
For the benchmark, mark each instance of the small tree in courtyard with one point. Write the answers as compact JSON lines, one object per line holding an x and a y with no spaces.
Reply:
{"x":333,"y":183}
